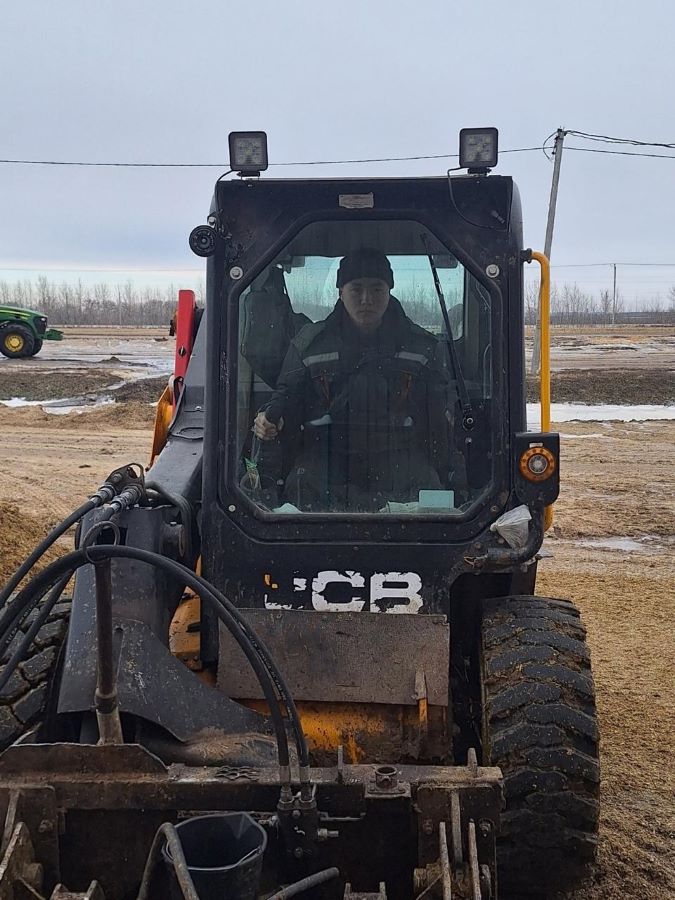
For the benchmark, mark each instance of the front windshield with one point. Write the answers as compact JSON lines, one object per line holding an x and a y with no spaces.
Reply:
{"x":364,"y":350}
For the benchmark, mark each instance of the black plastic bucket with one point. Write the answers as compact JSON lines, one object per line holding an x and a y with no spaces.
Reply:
{"x":224,"y":855}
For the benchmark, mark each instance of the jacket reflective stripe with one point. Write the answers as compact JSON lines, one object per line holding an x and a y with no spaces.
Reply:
{"x":320,"y":358}
{"x":413,"y":357}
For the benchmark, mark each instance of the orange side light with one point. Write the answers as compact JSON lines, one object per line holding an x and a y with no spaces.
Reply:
{"x":537,"y":464}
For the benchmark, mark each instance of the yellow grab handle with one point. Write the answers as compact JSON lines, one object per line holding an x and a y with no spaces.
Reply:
{"x":545,"y":339}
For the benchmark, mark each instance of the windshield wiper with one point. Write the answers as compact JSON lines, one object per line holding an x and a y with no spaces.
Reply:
{"x":468,"y":419}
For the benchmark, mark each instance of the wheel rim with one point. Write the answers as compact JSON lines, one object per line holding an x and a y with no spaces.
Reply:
{"x":14,"y":342}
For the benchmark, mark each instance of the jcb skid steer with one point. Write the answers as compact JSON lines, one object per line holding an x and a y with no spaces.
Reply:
{"x":305,"y":654}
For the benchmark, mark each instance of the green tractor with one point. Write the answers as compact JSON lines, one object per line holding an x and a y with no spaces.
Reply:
{"x":23,"y":331}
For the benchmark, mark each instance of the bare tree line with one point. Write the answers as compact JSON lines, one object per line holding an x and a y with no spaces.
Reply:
{"x":572,"y":306}
{"x":107,"y":303}
{"x":94,"y":304}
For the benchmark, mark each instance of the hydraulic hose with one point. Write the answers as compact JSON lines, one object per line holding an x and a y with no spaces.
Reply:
{"x":311,"y":881}
{"x":117,"y":491}
{"x":28,"y":638}
{"x":78,"y":558}
{"x":22,"y":606}
{"x":29,"y":597}
{"x":167,"y":833}
{"x":500,"y":556}
{"x":222,"y":606}
{"x":185,"y":508}
{"x":44,"y":545}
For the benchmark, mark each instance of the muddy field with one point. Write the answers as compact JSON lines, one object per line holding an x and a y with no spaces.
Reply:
{"x":613,"y":546}
{"x":619,"y":365}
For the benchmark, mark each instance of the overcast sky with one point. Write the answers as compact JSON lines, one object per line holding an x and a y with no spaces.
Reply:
{"x":165,"y":82}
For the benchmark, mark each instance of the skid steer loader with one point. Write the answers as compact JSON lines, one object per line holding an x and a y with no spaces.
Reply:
{"x":304,"y":652}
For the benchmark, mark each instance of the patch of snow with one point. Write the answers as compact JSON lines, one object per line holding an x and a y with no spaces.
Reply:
{"x":15,"y":402}
{"x":572,"y":437}
{"x":58,"y":407}
{"x":602,"y":412}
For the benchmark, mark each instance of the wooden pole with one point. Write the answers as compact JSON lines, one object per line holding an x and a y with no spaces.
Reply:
{"x":553,"y":199}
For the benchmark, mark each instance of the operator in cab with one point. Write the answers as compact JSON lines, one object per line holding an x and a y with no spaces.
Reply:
{"x":363,"y":395}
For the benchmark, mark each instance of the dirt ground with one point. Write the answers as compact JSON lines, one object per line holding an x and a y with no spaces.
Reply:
{"x":613,"y":546}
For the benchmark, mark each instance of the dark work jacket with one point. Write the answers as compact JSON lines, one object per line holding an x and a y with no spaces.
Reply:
{"x":372,"y":397}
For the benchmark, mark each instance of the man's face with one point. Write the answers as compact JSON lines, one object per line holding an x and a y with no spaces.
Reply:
{"x":366,"y":301}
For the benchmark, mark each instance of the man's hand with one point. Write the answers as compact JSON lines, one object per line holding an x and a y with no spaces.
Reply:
{"x":264,"y":429}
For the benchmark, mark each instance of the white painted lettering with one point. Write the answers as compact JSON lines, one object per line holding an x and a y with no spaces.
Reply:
{"x":355,"y":603}
{"x":381,"y":589}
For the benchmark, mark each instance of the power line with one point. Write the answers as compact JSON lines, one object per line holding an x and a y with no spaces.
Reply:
{"x":583,"y":135}
{"x":311,"y":162}
{"x":588,"y":265}
{"x":621,"y":152}
{"x":605,"y":139}
{"x":335,"y":162}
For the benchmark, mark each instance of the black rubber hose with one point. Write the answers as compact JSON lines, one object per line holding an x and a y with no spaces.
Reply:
{"x":44,"y":545}
{"x":222,"y":605}
{"x":183,"y":877}
{"x":21,"y":607}
{"x":75,"y":560}
{"x":268,"y":661}
{"x":31,"y":595}
{"x":28,"y":638}
{"x":509,"y":556}
{"x":185,"y":509}
{"x":299,"y":887}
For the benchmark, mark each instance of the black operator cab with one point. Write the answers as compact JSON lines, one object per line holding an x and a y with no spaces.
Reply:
{"x":365,"y":384}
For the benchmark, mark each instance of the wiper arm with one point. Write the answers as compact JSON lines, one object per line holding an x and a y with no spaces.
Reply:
{"x":468,"y":419}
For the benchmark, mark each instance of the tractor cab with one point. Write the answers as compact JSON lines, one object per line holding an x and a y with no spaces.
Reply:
{"x":364,"y":390}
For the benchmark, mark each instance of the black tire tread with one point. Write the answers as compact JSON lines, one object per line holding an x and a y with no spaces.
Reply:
{"x":27,"y":334}
{"x":24,"y":698}
{"x":540,"y":728}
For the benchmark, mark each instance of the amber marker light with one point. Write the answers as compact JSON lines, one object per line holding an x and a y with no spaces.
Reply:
{"x":537,"y":464}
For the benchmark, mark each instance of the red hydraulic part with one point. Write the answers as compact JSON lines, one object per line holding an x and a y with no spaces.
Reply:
{"x":185,"y":332}
{"x":183,"y":326}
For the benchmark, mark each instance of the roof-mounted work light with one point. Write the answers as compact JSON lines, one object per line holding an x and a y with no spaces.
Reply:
{"x":478,"y":150}
{"x":248,"y":152}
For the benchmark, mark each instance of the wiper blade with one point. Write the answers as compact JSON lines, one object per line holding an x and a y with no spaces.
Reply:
{"x":468,"y":419}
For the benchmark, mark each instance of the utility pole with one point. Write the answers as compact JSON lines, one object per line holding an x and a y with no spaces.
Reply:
{"x":614,"y":297}
{"x":553,"y":199}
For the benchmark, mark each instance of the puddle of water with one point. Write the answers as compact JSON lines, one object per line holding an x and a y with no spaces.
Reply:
{"x":623,"y":544}
{"x":64,"y":410}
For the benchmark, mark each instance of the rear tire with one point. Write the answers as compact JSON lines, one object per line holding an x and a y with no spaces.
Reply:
{"x":16,"y":341}
{"x":539,"y":726}
{"x":25,"y":699}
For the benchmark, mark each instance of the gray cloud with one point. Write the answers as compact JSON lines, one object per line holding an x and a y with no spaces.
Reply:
{"x":166,"y":82}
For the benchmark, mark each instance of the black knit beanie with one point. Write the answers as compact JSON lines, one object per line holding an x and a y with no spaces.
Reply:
{"x":365,"y":263}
